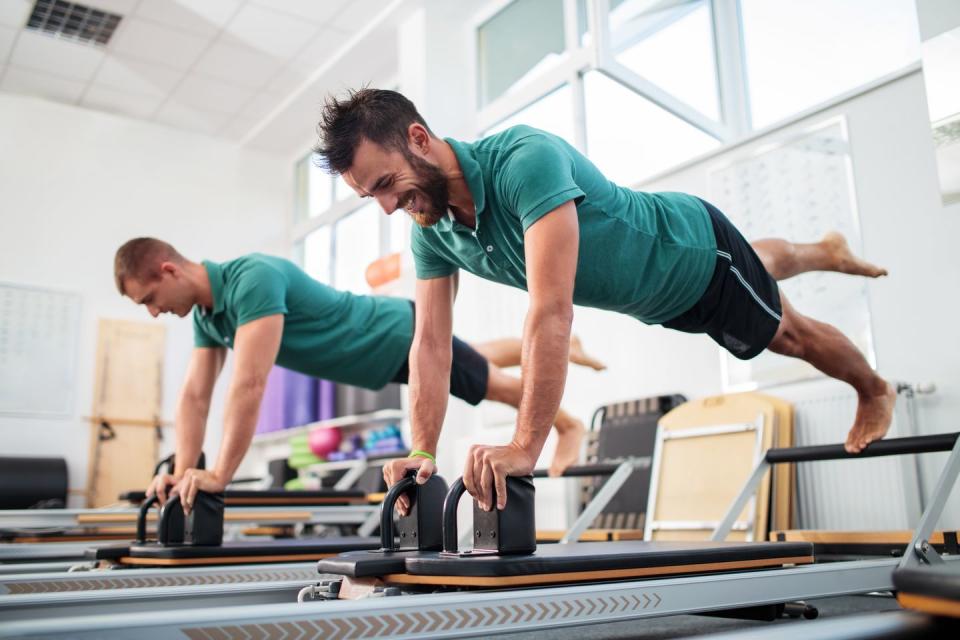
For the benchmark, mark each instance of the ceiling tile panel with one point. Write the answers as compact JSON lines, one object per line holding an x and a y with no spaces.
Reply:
{"x":357,"y":14}
{"x":44,"y":85}
{"x":204,"y":18}
{"x":316,"y":11}
{"x":14,"y":13}
{"x":136,"y":76}
{"x":237,"y":128}
{"x":238,"y":64}
{"x":320,"y":50}
{"x":209,"y":94}
{"x":156,"y":43}
{"x":7,"y":36}
{"x":287,"y":80}
{"x":183,"y":117}
{"x":275,"y":34}
{"x":64,"y":58}
{"x":121,"y":102}
{"x":260,"y":105}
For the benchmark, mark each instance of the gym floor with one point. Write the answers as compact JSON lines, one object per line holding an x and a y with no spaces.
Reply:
{"x":692,"y":626}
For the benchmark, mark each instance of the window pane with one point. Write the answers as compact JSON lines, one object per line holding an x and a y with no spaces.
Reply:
{"x":630,"y":138}
{"x":803,"y":53}
{"x":320,"y":186}
{"x":553,"y":113}
{"x":317,"y":253}
{"x":672,"y":48}
{"x":342,"y":190}
{"x":519,"y":41}
{"x":357,"y":245}
{"x":399,"y":224}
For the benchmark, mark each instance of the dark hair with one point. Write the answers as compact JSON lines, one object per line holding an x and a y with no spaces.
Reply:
{"x":377,"y":115}
{"x":140,"y":259}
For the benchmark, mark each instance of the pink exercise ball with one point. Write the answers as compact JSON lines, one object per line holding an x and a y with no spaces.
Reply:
{"x":324,"y":441}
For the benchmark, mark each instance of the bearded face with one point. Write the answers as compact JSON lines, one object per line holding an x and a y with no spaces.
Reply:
{"x":428,"y":201}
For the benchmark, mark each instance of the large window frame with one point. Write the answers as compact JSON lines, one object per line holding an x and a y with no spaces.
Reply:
{"x":735,"y":124}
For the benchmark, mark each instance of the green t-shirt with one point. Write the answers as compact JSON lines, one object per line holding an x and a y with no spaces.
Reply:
{"x":648,"y":255}
{"x":336,"y":335}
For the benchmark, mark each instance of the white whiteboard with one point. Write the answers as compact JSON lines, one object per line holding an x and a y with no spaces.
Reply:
{"x":39,"y":330}
{"x":797,"y":188}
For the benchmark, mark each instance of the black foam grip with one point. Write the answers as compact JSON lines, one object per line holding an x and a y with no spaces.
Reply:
{"x":891,"y":447}
{"x":29,"y":482}
{"x":142,"y":517}
{"x":583,"y":470}
{"x":450,"y":542}
{"x":387,"y":538}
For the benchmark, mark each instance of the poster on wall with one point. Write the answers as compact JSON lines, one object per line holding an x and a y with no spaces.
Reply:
{"x":39,"y":332}
{"x":799,"y":187}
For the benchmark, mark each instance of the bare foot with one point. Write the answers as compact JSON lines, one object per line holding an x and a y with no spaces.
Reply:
{"x":579,"y":356}
{"x":568,"y":447}
{"x":845,"y":261}
{"x":874,"y":414}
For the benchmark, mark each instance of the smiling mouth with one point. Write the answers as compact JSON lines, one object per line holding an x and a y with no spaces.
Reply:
{"x":410,"y":205}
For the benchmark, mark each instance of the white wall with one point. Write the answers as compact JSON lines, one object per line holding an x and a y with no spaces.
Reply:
{"x":76,"y":184}
{"x":906,"y":229}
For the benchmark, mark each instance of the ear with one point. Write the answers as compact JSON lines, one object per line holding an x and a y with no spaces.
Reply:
{"x":418,"y":138}
{"x":171,"y":268}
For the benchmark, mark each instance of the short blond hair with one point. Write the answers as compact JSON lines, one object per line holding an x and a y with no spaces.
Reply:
{"x":140,"y":259}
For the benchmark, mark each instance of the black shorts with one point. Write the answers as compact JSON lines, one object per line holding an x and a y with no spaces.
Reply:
{"x":469,"y":373}
{"x":740,"y":309}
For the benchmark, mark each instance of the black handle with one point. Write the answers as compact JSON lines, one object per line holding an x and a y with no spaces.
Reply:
{"x":450,"y":542}
{"x":387,"y":538}
{"x":582,"y":470}
{"x":142,"y":518}
{"x":166,"y":514}
{"x":892,"y":447}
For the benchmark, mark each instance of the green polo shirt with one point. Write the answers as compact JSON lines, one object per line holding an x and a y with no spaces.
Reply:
{"x":648,"y":255}
{"x":336,"y":335}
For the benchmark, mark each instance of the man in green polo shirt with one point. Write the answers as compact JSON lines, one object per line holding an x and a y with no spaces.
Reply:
{"x":526,"y":209}
{"x":270,"y":312}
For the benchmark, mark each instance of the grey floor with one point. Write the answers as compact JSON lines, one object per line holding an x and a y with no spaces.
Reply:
{"x":692,"y":626}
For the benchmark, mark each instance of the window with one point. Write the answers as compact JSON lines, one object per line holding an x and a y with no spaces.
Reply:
{"x":357,"y":239}
{"x":671,"y":47}
{"x":799,"y":54}
{"x":553,"y":113}
{"x":398,"y":224}
{"x":317,"y":254}
{"x":630,"y":138}
{"x":313,"y":186}
{"x":519,"y":41}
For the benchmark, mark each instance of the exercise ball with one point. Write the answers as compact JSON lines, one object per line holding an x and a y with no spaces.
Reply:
{"x":324,"y":441}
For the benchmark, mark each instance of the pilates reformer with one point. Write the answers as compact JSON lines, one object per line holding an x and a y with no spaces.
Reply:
{"x":492,"y":604}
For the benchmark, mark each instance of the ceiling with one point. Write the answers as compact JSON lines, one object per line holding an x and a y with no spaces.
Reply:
{"x":219,"y":67}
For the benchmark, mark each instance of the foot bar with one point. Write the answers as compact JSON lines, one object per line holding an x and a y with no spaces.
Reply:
{"x":891,"y":447}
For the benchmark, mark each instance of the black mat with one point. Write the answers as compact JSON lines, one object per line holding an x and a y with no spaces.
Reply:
{"x":605,"y":556}
{"x":241,"y":548}
{"x":367,"y":564}
{"x":270,"y":497}
{"x":941,"y":581}
{"x":252,"y":548}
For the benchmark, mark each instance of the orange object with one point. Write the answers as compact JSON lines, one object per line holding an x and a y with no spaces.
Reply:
{"x":383,"y":270}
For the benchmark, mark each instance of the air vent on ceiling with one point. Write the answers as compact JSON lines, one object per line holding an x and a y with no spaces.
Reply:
{"x":73,"y":21}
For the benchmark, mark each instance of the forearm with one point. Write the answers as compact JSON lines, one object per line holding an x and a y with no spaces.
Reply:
{"x":191,"y":423}
{"x":239,"y":424}
{"x":546,"y":347}
{"x":429,"y":388}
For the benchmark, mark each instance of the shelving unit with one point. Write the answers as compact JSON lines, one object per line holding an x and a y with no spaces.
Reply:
{"x":276,"y":444}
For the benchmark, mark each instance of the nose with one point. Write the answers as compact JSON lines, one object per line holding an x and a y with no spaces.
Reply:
{"x":154,"y":311}
{"x":388,"y":203}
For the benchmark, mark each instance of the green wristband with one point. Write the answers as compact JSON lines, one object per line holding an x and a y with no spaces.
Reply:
{"x":422,"y":454}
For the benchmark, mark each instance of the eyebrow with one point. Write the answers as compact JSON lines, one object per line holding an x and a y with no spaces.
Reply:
{"x":379,"y":183}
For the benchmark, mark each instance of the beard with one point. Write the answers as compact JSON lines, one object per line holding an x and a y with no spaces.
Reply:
{"x":432,"y":185}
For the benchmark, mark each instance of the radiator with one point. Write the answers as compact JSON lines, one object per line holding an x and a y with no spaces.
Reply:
{"x":868,"y":494}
